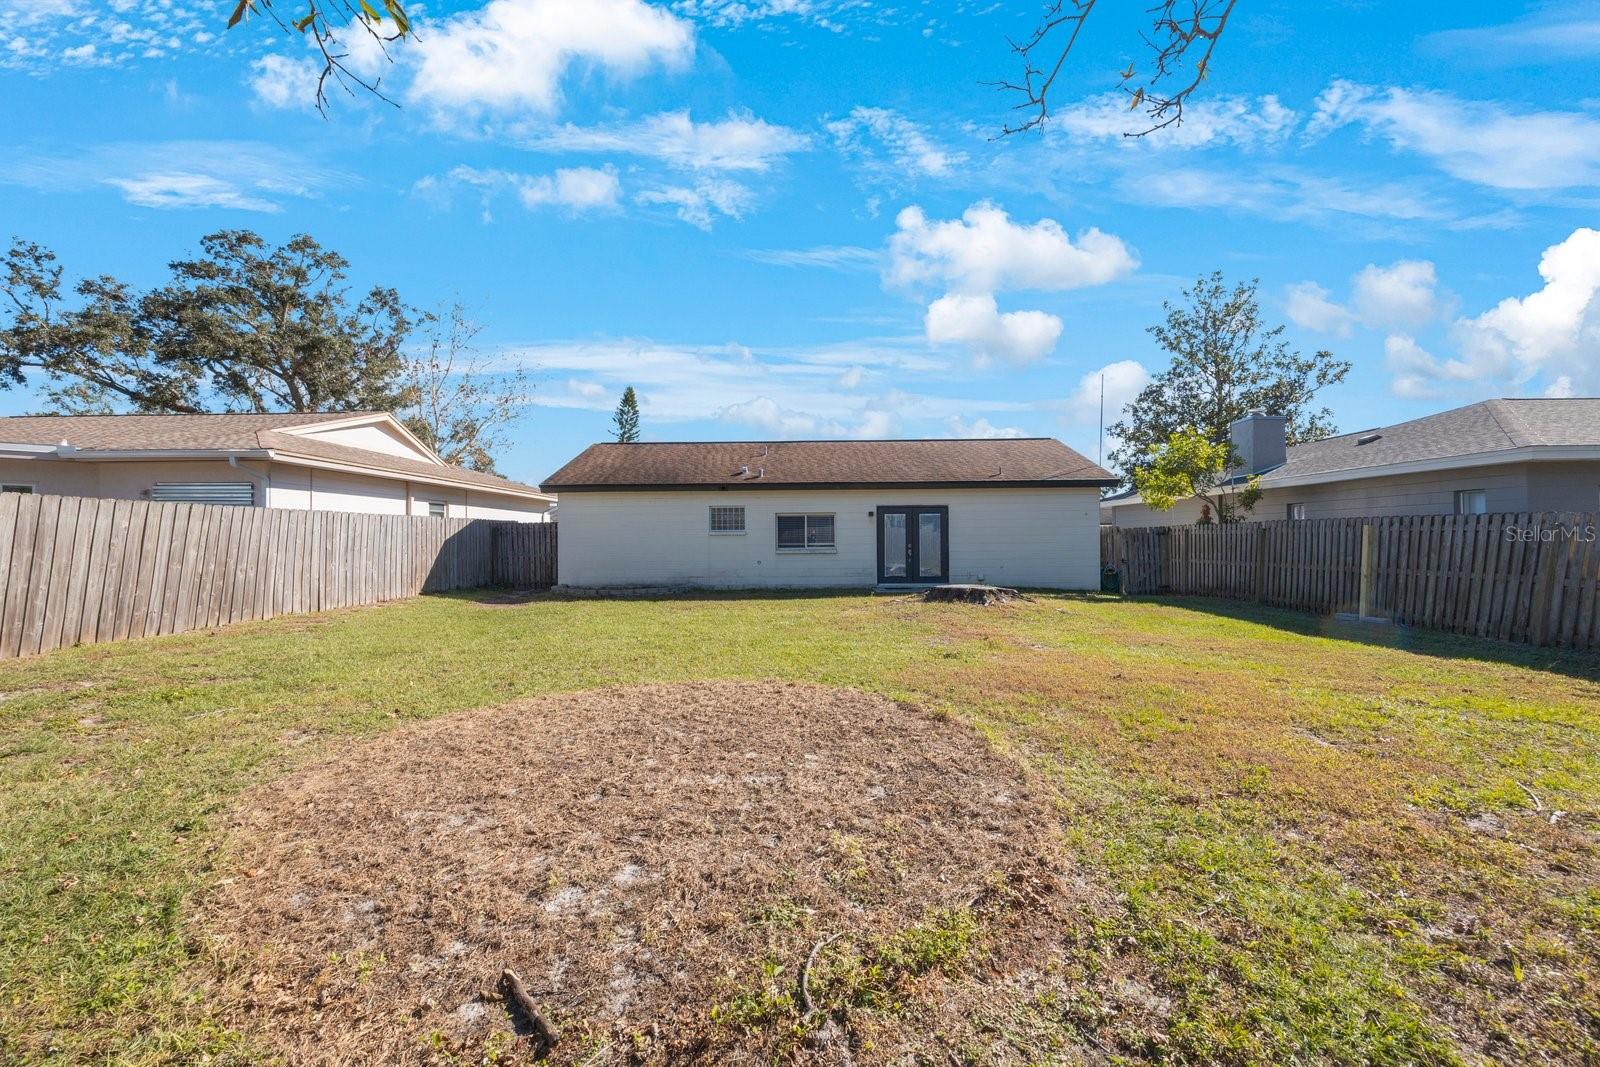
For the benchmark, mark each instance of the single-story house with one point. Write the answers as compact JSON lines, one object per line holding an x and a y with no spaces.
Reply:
{"x":362,"y":461}
{"x":1505,"y":455}
{"x":746,"y":514}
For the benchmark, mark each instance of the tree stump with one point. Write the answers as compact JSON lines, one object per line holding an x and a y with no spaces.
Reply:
{"x":972,"y":594}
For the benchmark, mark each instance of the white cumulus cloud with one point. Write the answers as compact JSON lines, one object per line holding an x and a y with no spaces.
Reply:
{"x":984,"y":251}
{"x":1555,"y":330}
{"x":974,"y":320}
{"x":1403,"y":294}
{"x":512,"y":55}
{"x":1309,"y":305}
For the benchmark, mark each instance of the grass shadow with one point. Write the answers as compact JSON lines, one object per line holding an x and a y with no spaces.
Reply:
{"x":1575,"y":663}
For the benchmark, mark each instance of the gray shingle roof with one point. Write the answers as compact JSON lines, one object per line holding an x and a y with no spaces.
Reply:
{"x":685,"y":464}
{"x":1485,"y":427}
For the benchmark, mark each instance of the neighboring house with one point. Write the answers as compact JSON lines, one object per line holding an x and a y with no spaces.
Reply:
{"x":830,"y":513}
{"x":349,"y":461}
{"x":1493,"y":456}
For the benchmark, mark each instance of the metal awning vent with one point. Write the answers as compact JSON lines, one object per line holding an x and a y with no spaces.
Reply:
{"x":239,"y":494}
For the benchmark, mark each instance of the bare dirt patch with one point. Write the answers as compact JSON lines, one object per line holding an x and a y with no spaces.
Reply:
{"x":714,"y":872}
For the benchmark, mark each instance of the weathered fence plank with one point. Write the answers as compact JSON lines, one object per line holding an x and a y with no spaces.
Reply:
{"x":1520,"y":577}
{"x":82,"y":570}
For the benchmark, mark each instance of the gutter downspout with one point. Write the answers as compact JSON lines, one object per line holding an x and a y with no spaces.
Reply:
{"x":262,"y":480}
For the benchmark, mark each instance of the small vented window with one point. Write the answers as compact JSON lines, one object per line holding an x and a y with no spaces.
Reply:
{"x":239,"y":494}
{"x":437,"y":509}
{"x":727,"y":520}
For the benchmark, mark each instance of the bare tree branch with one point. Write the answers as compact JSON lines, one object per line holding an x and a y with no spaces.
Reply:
{"x":325,"y":22}
{"x":1177,"y":27}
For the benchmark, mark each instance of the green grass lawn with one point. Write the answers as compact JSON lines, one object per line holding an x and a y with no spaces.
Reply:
{"x":1323,"y":845}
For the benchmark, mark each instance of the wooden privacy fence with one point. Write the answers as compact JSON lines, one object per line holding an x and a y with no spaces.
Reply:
{"x":80,"y":570}
{"x":1516,"y":577}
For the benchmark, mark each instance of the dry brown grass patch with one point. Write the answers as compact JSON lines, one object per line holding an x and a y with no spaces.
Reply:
{"x":657,"y":863}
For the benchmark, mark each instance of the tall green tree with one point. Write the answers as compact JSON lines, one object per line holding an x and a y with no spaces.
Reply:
{"x":625,"y":421}
{"x":241,"y":327}
{"x":1225,"y":362}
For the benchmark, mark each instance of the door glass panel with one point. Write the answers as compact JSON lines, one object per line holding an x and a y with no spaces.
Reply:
{"x":894,"y":545}
{"x":930,"y":544}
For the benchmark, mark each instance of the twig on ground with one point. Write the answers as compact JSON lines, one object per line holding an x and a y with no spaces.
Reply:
{"x":1537,"y":806}
{"x":807,"y":1006}
{"x":517,"y":995}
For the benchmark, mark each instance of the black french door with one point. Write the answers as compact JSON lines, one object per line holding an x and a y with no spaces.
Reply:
{"x":914,"y":544}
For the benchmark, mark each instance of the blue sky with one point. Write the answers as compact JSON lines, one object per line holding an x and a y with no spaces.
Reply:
{"x":791,"y":218}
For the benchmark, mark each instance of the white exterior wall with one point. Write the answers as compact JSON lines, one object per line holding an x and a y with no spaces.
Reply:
{"x":119,"y":481}
{"x":278,"y":485}
{"x":372,"y":437}
{"x":1044,"y":538}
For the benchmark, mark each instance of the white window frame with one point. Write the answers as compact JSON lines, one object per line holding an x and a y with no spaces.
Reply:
{"x":711,"y":520}
{"x":805,"y":534}
{"x":30,"y":488}
{"x":1297,"y":512}
{"x":444,"y":506}
{"x":1463,"y":495}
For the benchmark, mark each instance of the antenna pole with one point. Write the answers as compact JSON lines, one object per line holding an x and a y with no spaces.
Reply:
{"x":1100,"y":451}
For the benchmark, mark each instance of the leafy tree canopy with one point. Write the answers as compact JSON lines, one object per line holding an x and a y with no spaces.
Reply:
{"x":1188,"y":465}
{"x":241,"y":327}
{"x":1225,"y":362}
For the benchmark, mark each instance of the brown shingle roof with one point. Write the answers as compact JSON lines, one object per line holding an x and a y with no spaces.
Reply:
{"x":1033,"y":461}
{"x":230,"y":432}
{"x":133,"y":432}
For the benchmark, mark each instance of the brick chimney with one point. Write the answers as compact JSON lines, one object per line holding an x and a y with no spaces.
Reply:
{"x":1260,"y":441}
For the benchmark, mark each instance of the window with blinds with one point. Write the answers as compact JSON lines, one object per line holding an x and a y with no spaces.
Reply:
{"x":240,"y":494}
{"x":797,"y":533}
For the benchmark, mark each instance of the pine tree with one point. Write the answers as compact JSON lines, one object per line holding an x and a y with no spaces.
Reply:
{"x":626,"y":420}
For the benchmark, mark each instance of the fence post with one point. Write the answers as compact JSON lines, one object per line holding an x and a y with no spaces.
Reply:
{"x":1545,"y":585}
{"x":1364,"y":605}
{"x":1260,"y":576}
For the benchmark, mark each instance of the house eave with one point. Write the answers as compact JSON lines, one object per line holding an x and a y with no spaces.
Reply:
{"x":1522,"y":454}
{"x":292,"y":459}
{"x":757,"y":484}
{"x":1496,"y":458}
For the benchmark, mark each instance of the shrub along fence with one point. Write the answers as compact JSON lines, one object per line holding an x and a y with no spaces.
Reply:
{"x":80,"y":570}
{"x":1516,"y":577}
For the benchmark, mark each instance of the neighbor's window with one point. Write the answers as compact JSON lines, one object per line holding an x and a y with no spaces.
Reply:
{"x":727,"y":520}
{"x":10,"y":487}
{"x":1472,"y":502}
{"x":1297,"y":511}
{"x":437,"y":509}
{"x":800,"y":532}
